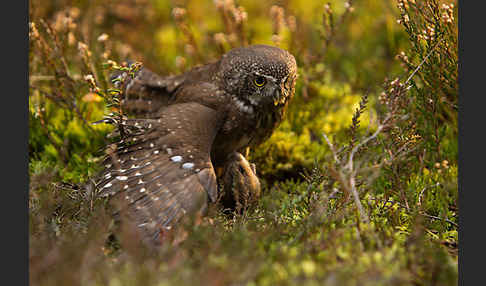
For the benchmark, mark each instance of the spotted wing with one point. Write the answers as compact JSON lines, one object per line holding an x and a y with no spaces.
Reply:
{"x":147,"y":91}
{"x":163,"y":168}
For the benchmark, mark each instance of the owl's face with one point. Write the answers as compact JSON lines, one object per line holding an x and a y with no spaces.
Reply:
{"x":260,"y":75}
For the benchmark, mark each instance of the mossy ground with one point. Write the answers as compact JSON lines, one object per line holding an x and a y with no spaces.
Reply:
{"x":308,"y":228}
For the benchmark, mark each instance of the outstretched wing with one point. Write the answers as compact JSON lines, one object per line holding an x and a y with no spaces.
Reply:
{"x":147,"y":91}
{"x":163,"y":168}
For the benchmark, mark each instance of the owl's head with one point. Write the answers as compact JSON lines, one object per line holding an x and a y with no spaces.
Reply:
{"x":259,"y":75}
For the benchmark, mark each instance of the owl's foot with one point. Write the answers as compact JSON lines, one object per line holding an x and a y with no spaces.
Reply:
{"x":241,"y":186}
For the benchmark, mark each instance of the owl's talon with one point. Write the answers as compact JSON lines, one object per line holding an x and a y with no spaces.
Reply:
{"x":241,"y":186}
{"x":253,"y":167}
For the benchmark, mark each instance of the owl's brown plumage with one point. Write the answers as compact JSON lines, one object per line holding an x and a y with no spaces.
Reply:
{"x":190,"y":124}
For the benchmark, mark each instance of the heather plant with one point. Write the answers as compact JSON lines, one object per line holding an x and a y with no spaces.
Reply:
{"x":359,"y":181}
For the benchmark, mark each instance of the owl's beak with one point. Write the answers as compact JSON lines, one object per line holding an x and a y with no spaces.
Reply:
{"x":279,"y":95}
{"x":276,"y":96}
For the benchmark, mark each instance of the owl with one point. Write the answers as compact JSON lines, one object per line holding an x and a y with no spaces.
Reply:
{"x":189,"y":133}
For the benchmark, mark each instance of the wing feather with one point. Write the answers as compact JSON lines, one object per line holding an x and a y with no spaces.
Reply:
{"x":147,"y":91}
{"x":163,"y":170}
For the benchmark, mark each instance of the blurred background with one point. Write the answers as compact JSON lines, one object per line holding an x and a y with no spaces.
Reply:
{"x":343,"y":49}
{"x":359,"y":63}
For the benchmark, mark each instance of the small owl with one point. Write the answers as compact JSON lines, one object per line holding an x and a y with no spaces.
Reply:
{"x":189,"y":133}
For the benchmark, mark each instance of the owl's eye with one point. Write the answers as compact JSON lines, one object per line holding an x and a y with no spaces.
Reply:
{"x":260,"y":81}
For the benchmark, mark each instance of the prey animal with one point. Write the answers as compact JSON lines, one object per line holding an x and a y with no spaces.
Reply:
{"x":189,"y":126}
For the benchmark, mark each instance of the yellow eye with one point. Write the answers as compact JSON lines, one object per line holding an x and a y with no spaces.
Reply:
{"x":260,"y":81}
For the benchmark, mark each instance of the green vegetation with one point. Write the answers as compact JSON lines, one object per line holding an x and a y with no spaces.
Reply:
{"x":360,"y":180}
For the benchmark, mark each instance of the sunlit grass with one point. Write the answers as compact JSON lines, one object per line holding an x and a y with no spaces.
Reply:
{"x":307,"y":228}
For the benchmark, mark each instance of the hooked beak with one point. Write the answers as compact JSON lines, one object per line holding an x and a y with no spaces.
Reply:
{"x":279,"y":96}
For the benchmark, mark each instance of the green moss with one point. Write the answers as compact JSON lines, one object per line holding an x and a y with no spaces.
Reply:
{"x":306,"y":229}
